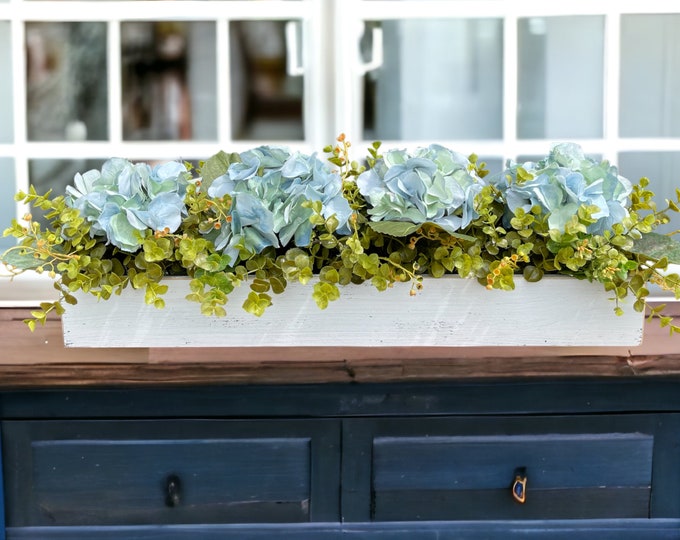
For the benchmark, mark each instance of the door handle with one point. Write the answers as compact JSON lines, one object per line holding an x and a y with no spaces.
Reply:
{"x":519,"y":485}
{"x":172,"y":491}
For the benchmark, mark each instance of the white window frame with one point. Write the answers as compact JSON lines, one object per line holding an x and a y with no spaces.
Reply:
{"x":30,"y":288}
{"x":352,"y":14}
{"x":332,"y":71}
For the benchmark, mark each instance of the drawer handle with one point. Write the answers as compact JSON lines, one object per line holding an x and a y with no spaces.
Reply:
{"x":172,"y":490}
{"x":519,"y":486}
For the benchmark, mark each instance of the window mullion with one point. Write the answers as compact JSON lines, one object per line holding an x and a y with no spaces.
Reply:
{"x":347,"y":15}
{"x":319,"y":74}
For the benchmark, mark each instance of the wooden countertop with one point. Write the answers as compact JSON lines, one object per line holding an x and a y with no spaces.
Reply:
{"x":39,"y":359}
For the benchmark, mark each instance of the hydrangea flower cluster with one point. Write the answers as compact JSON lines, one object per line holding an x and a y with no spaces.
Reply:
{"x":431,"y":185}
{"x":561,"y":183}
{"x":269,"y":188}
{"x":124,"y":199}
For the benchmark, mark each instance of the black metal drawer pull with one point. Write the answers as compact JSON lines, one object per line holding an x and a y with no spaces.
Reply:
{"x":172,"y":490}
{"x":519,"y":486}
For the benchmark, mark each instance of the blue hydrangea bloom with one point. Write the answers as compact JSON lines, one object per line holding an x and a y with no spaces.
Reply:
{"x":563,"y":182}
{"x":281,"y":182}
{"x":124,"y":200}
{"x":251,"y":227}
{"x":433,"y":184}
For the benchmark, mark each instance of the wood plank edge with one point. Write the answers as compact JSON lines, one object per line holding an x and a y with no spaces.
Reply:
{"x":22,"y":376}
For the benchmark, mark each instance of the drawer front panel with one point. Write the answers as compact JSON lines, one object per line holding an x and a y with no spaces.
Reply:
{"x":593,"y":475}
{"x":113,"y":473}
{"x":173,"y":480}
{"x":505,"y":467}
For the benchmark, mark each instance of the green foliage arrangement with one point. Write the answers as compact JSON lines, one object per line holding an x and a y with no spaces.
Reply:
{"x":268,"y":217}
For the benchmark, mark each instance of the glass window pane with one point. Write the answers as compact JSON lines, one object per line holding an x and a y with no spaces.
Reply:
{"x":440,"y":79}
{"x":266,"y":101}
{"x":494,"y":164}
{"x":169,"y":80}
{"x":650,"y":76}
{"x":55,"y":175}
{"x":6,"y":109}
{"x":560,"y":80}
{"x":66,"y":81}
{"x":7,"y":208}
{"x":662,"y":170}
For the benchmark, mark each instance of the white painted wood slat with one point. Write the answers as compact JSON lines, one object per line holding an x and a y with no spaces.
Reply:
{"x":447,"y":312}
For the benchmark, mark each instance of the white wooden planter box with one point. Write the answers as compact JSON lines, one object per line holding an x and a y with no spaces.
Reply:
{"x":447,"y":312}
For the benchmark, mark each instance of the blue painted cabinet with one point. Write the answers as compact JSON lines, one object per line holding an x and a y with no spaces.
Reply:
{"x":575,"y":460}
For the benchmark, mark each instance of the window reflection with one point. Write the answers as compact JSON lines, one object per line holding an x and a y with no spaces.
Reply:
{"x":494,"y":164}
{"x":266,"y":102}
{"x":560,"y":77}
{"x":169,"y":80}
{"x":662,"y":170}
{"x":7,"y":190}
{"x":6,"y":109}
{"x":650,"y":76}
{"x":440,"y":79}
{"x":66,"y":81}
{"x":55,"y":175}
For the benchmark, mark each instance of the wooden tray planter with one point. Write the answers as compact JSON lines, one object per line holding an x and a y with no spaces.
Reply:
{"x":447,"y":312}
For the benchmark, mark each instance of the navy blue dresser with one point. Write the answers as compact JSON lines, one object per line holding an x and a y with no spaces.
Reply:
{"x":522,"y":458}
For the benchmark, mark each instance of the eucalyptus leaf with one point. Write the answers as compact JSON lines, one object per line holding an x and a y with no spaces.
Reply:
{"x":656,"y":246}
{"x":394,"y":228}
{"x":400,"y":229}
{"x":215,"y":167}
{"x":20,"y":259}
{"x":532,"y":274}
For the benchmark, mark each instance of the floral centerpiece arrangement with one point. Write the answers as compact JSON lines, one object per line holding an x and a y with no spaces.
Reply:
{"x":268,"y":217}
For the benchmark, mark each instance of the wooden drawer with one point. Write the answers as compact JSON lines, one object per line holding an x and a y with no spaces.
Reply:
{"x":465,"y":469}
{"x":161,"y":472}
